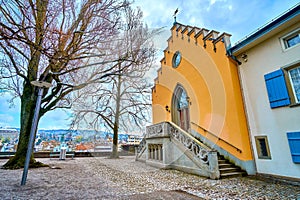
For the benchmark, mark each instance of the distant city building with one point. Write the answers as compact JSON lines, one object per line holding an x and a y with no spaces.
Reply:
{"x":134,"y":139}
{"x":52,"y":140}
{"x":62,"y":146}
{"x":9,"y":133}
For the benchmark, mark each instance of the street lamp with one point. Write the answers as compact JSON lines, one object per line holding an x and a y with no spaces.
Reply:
{"x":41,"y":85}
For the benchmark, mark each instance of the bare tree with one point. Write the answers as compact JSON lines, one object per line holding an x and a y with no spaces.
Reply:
{"x":53,"y":41}
{"x":124,"y":102}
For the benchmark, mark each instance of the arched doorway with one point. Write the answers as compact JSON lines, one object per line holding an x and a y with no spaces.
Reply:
{"x":180,"y":108}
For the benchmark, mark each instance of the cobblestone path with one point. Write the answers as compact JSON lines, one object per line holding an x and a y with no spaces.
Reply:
{"x":124,"y":178}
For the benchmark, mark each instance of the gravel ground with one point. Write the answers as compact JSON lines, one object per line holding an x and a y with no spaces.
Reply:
{"x":124,"y":178}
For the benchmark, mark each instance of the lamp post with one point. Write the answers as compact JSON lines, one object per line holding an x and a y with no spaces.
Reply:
{"x":41,"y":85}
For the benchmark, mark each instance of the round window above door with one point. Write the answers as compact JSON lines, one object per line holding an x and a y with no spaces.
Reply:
{"x":176,"y":59}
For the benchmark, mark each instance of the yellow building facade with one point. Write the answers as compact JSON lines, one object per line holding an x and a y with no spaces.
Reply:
{"x":197,"y":88}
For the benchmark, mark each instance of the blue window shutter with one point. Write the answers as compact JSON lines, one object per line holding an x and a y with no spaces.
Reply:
{"x":277,"y":90}
{"x":294,"y":142}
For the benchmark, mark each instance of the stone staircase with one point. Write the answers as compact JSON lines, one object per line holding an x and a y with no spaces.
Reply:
{"x":228,"y":169}
{"x":166,"y":145}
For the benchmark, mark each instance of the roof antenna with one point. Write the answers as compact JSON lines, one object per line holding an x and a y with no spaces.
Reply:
{"x":175,"y":13}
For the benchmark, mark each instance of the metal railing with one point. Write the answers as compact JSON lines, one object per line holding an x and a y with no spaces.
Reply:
{"x":226,"y":142}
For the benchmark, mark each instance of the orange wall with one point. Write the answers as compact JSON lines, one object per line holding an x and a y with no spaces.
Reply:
{"x":211,"y":81}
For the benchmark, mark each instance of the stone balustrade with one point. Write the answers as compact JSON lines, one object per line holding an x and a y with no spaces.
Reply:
{"x":167,"y":145}
{"x":193,"y":145}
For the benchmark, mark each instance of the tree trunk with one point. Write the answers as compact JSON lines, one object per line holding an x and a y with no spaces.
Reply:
{"x":28,"y":102}
{"x":115,"y":153}
{"x":28,"y":98}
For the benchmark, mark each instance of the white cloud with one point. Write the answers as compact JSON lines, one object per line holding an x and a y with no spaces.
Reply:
{"x":6,"y":120}
{"x":9,"y":115}
{"x":232,"y":16}
{"x":157,"y":13}
{"x":212,"y":2}
{"x":192,"y":20}
{"x":57,"y":119}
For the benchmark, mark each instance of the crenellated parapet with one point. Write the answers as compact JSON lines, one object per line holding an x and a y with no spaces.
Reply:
{"x":200,"y":36}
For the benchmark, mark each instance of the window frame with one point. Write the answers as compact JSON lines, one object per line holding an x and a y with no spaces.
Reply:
{"x":258,"y":147}
{"x":289,"y":82}
{"x":175,"y":62}
{"x":297,"y":101}
{"x":290,"y":35}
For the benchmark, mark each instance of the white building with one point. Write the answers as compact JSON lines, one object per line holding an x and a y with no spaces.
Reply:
{"x":270,"y":78}
{"x":9,"y":133}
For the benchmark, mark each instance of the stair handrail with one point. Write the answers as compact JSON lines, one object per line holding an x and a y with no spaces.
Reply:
{"x":238,"y":149}
{"x":190,"y":136}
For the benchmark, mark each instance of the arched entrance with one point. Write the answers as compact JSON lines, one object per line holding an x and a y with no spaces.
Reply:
{"x":180,"y":108}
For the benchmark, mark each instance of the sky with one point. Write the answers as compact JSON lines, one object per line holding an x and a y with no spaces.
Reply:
{"x":236,"y":17}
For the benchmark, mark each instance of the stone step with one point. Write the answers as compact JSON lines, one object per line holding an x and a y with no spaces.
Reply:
{"x":229,"y":170}
{"x":232,"y":174}
{"x":225,"y":165}
{"x":221,"y":161}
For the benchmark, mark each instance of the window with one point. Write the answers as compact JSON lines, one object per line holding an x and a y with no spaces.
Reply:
{"x":294,"y":143}
{"x":294,"y":77}
{"x":292,"y":39}
{"x":283,"y":86}
{"x":262,"y":147}
{"x":176,"y":59}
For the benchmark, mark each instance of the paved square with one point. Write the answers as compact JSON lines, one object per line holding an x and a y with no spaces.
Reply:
{"x":124,"y":178}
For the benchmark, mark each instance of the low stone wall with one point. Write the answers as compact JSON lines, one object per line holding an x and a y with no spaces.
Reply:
{"x":6,"y":155}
